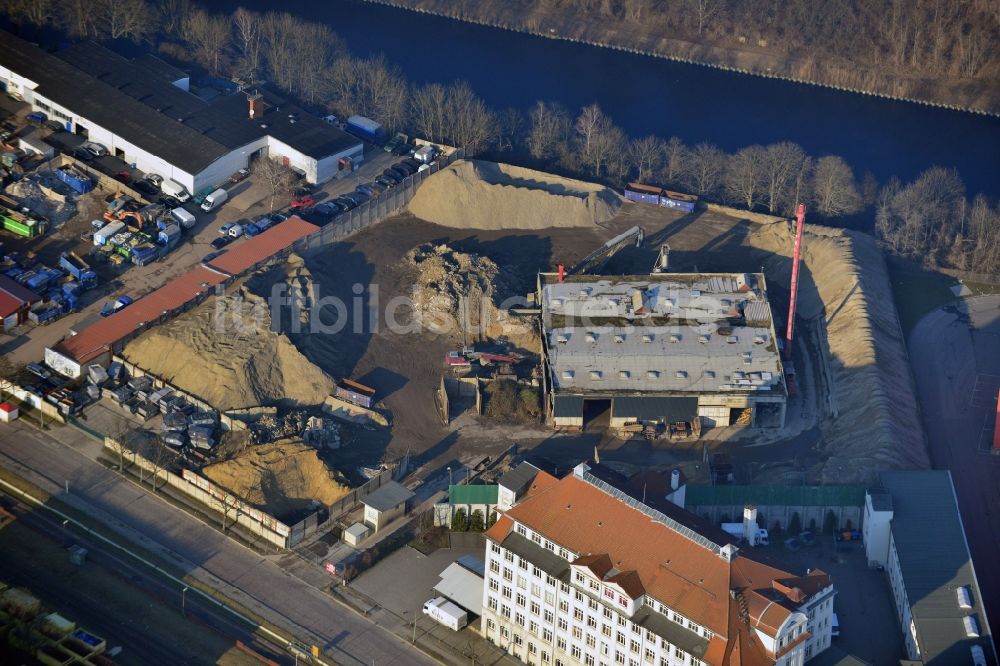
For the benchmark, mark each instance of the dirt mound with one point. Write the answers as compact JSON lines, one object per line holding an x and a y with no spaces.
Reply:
{"x":225,"y":353}
{"x":456,"y":291}
{"x":486,"y":195}
{"x":280,"y":478}
{"x":845,"y":290}
{"x":28,"y":193}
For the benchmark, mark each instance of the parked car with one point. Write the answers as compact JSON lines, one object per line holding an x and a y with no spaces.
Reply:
{"x":36,"y":118}
{"x":171,"y":202}
{"x":212,"y":255}
{"x":303,"y":201}
{"x":155,"y":179}
{"x":222,"y":241}
{"x":224,"y":229}
{"x":345,"y":203}
{"x":124,"y":177}
{"x":38,"y":370}
{"x":83,"y":154}
{"x":200,"y":197}
{"x":278,"y":217}
{"x":147,"y":188}
{"x":411,"y":162}
{"x":55,"y":125}
{"x":386,"y":183}
{"x":328,"y":208}
{"x":240,"y":176}
{"x":400,"y":172}
{"x":394,"y":176}
{"x":95,"y":148}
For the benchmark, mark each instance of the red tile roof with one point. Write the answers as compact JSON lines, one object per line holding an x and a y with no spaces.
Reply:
{"x":101,"y":336}
{"x":14,"y":296}
{"x":262,"y":246}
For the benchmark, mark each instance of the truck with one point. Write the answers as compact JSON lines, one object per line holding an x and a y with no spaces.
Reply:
{"x":80,"y":182}
{"x":112,"y":307}
{"x":73,"y":264}
{"x":214,"y":200}
{"x":184,"y":218}
{"x":395,"y":143}
{"x":365,"y":128}
{"x":758,"y":537}
{"x":104,"y":235}
{"x":426,"y":154}
{"x":444,"y":612}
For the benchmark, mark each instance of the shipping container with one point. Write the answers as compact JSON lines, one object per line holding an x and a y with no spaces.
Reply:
{"x":679,"y":201}
{"x":643,"y":193}
{"x":355,"y":393}
{"x":76,"y":180}
{"x":27,"y":228}
{"x":365,"y":128}
{"x":73,"y":264}
{"x":104,"y":236}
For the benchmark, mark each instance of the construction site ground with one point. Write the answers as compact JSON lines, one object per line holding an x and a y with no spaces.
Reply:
{"x":406,"y":368}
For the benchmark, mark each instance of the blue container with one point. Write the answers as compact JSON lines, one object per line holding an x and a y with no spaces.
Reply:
{"x":643,"y":195}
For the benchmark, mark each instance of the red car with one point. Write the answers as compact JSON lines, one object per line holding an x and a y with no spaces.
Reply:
{"x":304,"y":201}
{"x":124,"y":177}
{"x":239,"y":176}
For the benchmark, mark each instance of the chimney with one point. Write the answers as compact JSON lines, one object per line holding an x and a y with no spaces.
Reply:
{"x":256,"y":106}
{"x":562,"y":271}
{"x":750,"y":524}
{"x":675,"y":479}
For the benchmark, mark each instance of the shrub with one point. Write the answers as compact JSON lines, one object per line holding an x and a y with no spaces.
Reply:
{"x":476,"y":523}
{"x":459,"y":521}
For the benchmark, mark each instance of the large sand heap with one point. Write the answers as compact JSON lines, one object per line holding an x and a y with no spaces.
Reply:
{"x":280,"y":478}
{"x":225,"y":353}
{"x":455,"y":289}
{"x":875,"y":423}
{"x":486,"y":195}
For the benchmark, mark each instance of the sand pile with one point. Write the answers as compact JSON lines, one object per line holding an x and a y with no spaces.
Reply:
{"x":224,"y":352}
{"x":280,"y":478}
{"x":486,"y":195}
{"x":845,"y":289}
{"x":456,"y":291}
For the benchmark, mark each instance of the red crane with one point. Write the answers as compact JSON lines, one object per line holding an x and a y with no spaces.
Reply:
{"x":800,"y":222}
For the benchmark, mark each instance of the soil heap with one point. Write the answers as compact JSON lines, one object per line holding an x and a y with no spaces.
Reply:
{"x":224,"y":352}
{"x":456,"y":291}
{"x":280,"y":479}
{"x":845,"y":289}
{"x":485,"y":195}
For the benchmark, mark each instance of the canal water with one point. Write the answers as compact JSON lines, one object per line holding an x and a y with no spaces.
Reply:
{"x":646,"y":95}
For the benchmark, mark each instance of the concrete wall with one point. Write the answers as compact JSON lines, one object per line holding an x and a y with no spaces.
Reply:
{"x":783,"y":514}
{"x":379,"y":519}
{"x":48,"y":410}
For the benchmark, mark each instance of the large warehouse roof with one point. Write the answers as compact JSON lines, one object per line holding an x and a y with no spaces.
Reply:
{"x":136,"y":100}
{"x":105,"y":104}
{"x":694,"y":333}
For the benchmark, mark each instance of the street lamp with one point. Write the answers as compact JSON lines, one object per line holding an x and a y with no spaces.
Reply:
{"x":449,"y":477}
{"x":183,"y":598}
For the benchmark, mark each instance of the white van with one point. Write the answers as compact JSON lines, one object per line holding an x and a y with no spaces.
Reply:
{"x":214,"y":200}
{"x":174,"y":189}
{"x":236,"y":230}
{"x":184,"y":217}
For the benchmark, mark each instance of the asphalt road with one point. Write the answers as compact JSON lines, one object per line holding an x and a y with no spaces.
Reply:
{"x":244,"y":576}
{"x":955,"y":354}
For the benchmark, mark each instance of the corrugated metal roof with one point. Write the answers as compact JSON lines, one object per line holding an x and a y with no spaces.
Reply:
{"x":473,"y":494}
{"x":94,"y":340}
{"x":263,"y":246}
{"x":567,"y":405}
{"x":775,"y":495}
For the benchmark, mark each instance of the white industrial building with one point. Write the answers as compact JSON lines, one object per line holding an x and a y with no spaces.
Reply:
{"x":146,"y":112}
{"x":913,"y":529}
{"x":580,"y":573}
{"x":661,"y":348}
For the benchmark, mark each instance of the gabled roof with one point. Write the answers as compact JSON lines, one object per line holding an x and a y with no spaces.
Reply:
{"x":518,"y":478}
{"x":14,"y":296}
{"x":598,"y":564}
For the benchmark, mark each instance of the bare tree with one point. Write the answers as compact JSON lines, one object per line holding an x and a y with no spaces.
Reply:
{"x":549,"y":128}
{"x":128,"y":19}
{"x":36,"y":12}
{"x":278,"y":179}
{"x":428,"y":106}
{"x":646,"y":155}
{"x":589,"y":125}
{"x":781,"y":162}
{"x":702,"y":12}
{"x":208,"y":35}
{"x":78,"y":19}
{"x":510,"y":127}
{"x":707,"y":165}
{"x":9,"y":371}
{"x":317,"y":47}
{"x":675,"y":155}
{"x":171,"y":15}
{"x":745,"y":176}
{"x":834,"y":188}
{"x":473,"y":124}
{"x":377,"y":89}
{"x":280,"y":46}
{"x":248,"y":37}
{"x":984,"y":236}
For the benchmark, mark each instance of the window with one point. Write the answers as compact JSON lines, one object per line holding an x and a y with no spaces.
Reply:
{"x":591,"y":604}
{"x":577,"y":633}
{"x":591,"y":621}
{"x":578,"y":577}
{"x":564,"y":588}
{"x":494,"y":566}
{"x":561,"y":643}
{"x":549,"y":616}
{"x":533,"y":627}
{"x":532,"y":649}
{"x":578,"y":615}
{"x":577,"y":595}
{"x":536,"y":590}
{"x":508,"y":574}
{"x":518,"y":640}
{"x":492,"y":603}
{"x":621,"y":638}
{"x":536,"y":572}
{"x":519,"y":619}
{"x":679,"y":653}
{"x":622,"y":621}
{"x":505,"y":611}
{"x":563,"y":606}
{"x":650,"y":654}
{"x":609,"y":593}
{"x":521,"y":530}
{"x":490,"y":624}
{"x":535,"y":608}
{"x":634,"y":646}
{"x":522,"y":582}
{"x":619,"y":657}
{"x":575,"y":651}
{"x":550,"y":598}
{"x":521,"y":599}
{"x":494,"y":584}
{"x":589,"y":661}
{"x":504,"y":632}
{"x":606,"y":630}
{"x":547,"y":635}
{"x":494,"y":546}
{"x":593,"y":585}
{"x":522,"y":563}
{"x":591,"y":641}
{"x":563,"y":624}
{"x":509,"y":556}
{"x":507,"y":592}
{"x":633,"y":662}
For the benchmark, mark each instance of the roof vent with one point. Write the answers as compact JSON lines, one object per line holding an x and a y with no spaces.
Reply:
{"x":591,"y":336}
{"x":733,"y":339}
{"x":595,"y":374}
{"x":971,"y":626}
{"x":675,"y":337}
{"x":695,"y":293}
{"x":964,"y":598}
{"x":647,"y":337}
{"x":567,"y":374}
{"x":760,"y":339}
{"x":619,"y":338}
{"x":681,"y":374}
{"x":623,"y":374}
{"x":710,"y":374}
{"x":703,"y":339}
{"x":562,"y":338}
{"x":652,"y":374}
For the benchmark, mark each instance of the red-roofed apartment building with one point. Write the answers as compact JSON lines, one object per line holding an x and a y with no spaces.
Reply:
{"x":578,"y":573}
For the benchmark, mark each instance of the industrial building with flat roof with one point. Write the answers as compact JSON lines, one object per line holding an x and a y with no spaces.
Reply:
{"x":143,"y":111}
{"x":581,"y":573}
{"x":661,"y":348}
{"x":912,"y":528}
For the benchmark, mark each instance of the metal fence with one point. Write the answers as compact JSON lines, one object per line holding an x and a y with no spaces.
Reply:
{"x":374,"y":210}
